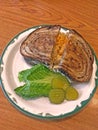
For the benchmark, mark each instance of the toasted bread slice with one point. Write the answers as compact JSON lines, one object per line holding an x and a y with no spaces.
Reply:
{"x":39,"y":44}
{"x":77,"y":59}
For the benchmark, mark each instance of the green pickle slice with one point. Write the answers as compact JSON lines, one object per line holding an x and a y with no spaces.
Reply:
{"x":60,"y":82}
{"x":56,"y":95}
{"x":71,"y":93}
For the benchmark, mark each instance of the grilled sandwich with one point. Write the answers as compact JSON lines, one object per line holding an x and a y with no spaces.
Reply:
{"x":65,"y":52}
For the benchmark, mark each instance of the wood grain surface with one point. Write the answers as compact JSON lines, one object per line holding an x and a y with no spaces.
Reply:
{"x":18,"y":15}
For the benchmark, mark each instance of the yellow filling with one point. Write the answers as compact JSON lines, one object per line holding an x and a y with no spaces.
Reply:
{"x":59,"y":48}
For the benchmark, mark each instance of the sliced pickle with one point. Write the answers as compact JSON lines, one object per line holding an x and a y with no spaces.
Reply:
{"x":71,"y":93}
{"x":56,"y":96}
{"x":60,"y":82}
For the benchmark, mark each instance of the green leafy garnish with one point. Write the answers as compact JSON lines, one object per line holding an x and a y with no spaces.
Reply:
{"x":33,"y":90}
{"x":38,"y":71}
{"x":37,"y":82}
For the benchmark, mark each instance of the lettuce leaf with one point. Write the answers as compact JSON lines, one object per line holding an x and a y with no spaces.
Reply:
{"x":33,"y":90}
{"x":37,"y":72}
{"x":37,"y":82}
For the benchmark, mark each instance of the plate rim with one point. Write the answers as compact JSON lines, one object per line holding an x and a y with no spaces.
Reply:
{"x":77,"y":108}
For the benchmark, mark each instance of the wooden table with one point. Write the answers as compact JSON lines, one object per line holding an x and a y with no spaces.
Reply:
{"x":16,"y":16}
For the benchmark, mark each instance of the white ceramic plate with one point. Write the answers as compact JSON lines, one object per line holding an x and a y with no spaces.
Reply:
{"x":12,"y":62}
